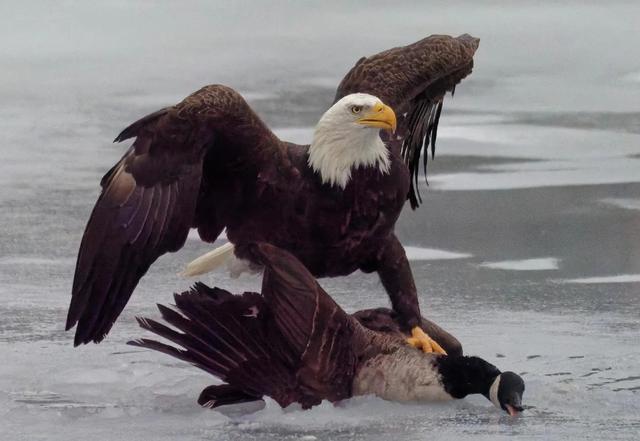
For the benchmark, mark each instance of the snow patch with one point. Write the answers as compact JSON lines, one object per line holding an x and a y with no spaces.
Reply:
{"x":620,"y":278}
{"x":629,"y":204}
{"x":539,"y":264}
{"x":543,"y":174}
{"x":419,"y":253}
{"x":632,"y":77}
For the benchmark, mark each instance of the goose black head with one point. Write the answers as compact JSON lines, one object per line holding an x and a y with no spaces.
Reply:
{"x":463,"y":375}
{"x":506,"y":392}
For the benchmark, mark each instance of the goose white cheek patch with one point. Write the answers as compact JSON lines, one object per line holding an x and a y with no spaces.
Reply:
{"x":493,"y":392}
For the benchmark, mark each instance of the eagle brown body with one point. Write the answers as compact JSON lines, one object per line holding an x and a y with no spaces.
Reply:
{"x":333,"y":231}
{"x":210,"y":163}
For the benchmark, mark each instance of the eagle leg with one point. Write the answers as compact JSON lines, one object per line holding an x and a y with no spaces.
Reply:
{"x":420,"y":340}
{"x":396,"y":277}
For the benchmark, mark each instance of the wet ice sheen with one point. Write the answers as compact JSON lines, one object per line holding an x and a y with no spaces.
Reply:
{"x":73,"y":75}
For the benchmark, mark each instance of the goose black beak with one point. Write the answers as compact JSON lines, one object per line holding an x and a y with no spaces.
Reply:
{"x":513,"y":410}
{"x":513,"y":404}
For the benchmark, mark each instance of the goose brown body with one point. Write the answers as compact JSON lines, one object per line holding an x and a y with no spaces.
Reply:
{"x":293,"y":343}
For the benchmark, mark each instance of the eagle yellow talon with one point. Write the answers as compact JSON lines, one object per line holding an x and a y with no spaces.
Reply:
{"x":420,"y":340}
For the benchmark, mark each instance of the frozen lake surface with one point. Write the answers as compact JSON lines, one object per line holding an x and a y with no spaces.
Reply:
{"x":527,"y":247}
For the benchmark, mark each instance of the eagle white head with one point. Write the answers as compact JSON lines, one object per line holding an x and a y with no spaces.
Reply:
{"x":348,"y":136}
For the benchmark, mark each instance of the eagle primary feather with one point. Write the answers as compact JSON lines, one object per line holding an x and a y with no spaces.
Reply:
{"x":210,"y":163}
{"x":413,"y":81}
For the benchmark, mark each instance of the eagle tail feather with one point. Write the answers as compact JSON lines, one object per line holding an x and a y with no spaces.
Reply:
{"x":209,"y":261}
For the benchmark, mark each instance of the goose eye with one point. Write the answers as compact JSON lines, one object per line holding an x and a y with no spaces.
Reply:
{"x":356,"y":109}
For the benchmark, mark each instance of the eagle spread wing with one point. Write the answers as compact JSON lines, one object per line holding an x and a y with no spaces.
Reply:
{"x":413,"y":80}
{"x":156,"y":193}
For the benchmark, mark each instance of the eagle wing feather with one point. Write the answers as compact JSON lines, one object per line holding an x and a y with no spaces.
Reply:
{"x":150,"y":198}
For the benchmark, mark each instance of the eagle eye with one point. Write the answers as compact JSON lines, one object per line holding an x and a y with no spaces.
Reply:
{"x":356,"y":109}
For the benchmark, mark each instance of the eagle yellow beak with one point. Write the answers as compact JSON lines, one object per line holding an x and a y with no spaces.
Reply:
{"x":381,"y":116}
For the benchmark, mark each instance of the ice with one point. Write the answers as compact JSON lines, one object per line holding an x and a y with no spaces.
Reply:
{"x":629,"y":204}
{"x":557,"y":157}
{"x":539,"y":264}
{"x":548,"y":118}
{"x":193,"y":235}
{"x":297,"y":135}
{"x":142,"y":394}
{"x":632,"y":77}
{"x":34,"y":260}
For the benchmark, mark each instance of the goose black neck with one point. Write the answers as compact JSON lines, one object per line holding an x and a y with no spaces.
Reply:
{"x":462,"y":376}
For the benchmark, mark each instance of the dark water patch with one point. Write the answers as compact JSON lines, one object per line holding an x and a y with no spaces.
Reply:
{"x":36,"y":397}
{"x":44,"y":400}
{"x":618,"y":380}
{"x":167,"y":364}
{"x":599,"y":371}
{"x":126,"y":352}
{"x":631,"y":389}
{"x":558,"y":374}
{"x":52,"y":400}
{"x":615,"y":381}
{"x":456,"y":163}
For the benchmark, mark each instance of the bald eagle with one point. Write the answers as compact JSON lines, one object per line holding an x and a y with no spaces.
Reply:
{"x":210,"y":163}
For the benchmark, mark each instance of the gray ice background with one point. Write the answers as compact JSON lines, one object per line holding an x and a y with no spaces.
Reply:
{"x":527,"y":247}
